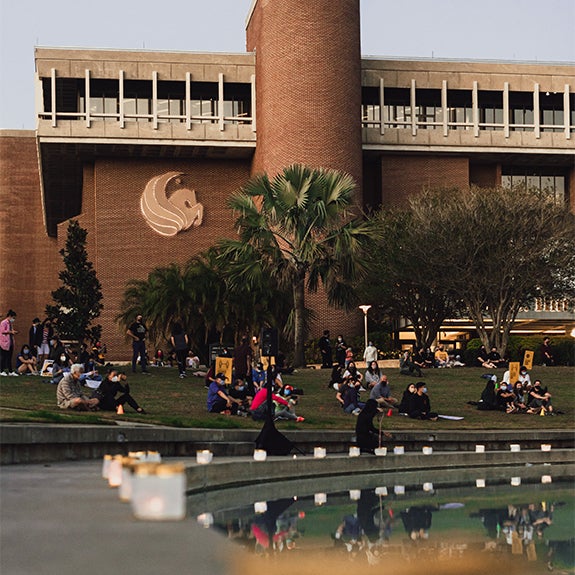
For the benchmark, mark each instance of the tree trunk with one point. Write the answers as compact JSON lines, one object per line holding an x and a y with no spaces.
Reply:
{"x":299,"y":324}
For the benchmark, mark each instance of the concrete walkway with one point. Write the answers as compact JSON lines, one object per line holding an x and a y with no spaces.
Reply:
{"x":63,"y":519}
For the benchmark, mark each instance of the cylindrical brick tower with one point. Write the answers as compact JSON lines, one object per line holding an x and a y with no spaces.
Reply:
{"x":308,"y":84}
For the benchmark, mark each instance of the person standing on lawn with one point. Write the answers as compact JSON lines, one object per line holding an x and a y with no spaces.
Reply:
{"x":137,"y":331}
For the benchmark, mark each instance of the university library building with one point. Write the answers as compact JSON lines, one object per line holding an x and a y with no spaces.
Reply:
{"x":128,"y":141}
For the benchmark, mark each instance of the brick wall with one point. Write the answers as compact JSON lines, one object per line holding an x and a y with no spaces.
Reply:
{"x":308,"y":69}
{"x":29,"y":261}
{"x":406,"y":175}
{"x":121,"y":244}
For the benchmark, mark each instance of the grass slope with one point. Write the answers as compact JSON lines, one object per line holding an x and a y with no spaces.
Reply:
{"x":182,"y":402}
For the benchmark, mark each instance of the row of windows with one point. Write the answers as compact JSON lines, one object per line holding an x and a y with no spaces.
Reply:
{"x":137,"y":103}
{"x":429,"y":112}
{"x":549,"y":182}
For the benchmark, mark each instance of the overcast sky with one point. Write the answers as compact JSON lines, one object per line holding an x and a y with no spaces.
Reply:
{"x":526,"y":30}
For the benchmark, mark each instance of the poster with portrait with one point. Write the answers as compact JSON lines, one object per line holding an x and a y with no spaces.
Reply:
{"x":528,"y":359}
{"x":224,"y":365}
{"x":47,"y":368}
{"x":513,"y":372}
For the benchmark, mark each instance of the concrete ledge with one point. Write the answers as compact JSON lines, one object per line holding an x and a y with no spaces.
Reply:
{"x":234,"y":473}
{"x":35,"y":443}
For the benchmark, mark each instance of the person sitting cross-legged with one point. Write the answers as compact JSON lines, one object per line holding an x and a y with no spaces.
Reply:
{"x":69,"y":393}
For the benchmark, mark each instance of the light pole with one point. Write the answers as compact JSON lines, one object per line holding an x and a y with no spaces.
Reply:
{"x":365,"y":309}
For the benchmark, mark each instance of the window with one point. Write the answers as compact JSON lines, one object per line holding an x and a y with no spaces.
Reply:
{"x":237,"y":103}
{"x":547,"y":181}
{"x":459,"y":109}
{"x":370,"y":108}
{"x":397,"y":109}
{"x":490,"y":110}
{"x":521,"y":111}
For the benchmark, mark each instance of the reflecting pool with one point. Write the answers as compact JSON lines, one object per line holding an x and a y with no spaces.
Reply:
{"x":513,"y":520}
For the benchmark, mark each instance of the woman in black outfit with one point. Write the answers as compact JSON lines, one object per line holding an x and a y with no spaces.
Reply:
{"x":367,"y":435}
{"x":109,"y":388}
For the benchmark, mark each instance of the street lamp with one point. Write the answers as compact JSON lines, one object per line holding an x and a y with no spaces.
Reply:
{"x":365,"y":309}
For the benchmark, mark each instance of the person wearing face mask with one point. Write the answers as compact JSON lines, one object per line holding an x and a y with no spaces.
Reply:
{"x":505,"y":397}
{"x":111,"y":386}
{"x":7,"y":333}
{"x":340,"y":351}
{"x":57,"y":348}
{"x":26,"y":362}
{"x":420,"y":407}
{"x":60,"y":367}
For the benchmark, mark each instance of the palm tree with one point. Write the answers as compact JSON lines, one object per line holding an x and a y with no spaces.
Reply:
{"x":297,"y":227}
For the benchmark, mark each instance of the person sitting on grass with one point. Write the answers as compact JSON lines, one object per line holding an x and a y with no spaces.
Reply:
{"x":282,"y":408}
{"x":372,"y":375}
{"x":420,"y":407}
{"x":219,"y":401}
{"x":348,"y":397}
{"x":488,"y":400}
{"x":60,"y":367}
{"x":114,"y":383}
{"x":69,"y":393}
{"x":505,"y":398}
{"x":539,"y":399}
{"x":520,"y":399}
{"x":382,"y":394}
{"x":403,"y":406}
{"x":26,"y":362}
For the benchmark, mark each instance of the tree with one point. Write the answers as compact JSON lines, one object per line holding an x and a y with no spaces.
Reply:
{"x":299,"y":229}
{"x":200,"y":296}
{"x":402,"y":285}
{"x":78,"y":299}
{"x":496,"y":250}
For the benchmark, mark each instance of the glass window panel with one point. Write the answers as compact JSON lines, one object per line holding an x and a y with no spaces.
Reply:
{"x":533,"y":182}
{"x":506,"y":181}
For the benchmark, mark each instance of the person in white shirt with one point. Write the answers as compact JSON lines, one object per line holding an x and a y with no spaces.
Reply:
{"x":370,"y":353}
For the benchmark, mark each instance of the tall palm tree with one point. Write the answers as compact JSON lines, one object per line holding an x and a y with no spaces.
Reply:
{"x":300,"y":227}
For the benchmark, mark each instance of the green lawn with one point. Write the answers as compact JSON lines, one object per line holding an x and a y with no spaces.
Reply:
{"x":182,"y":402}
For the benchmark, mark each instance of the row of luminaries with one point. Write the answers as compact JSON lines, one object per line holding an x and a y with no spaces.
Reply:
{"x":156,"y":490}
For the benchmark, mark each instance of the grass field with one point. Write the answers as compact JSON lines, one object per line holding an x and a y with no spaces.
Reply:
{"x":182,"y":402}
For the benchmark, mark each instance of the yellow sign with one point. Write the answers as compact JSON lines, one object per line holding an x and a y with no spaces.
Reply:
{"x":513,"y":372}
{"x":224,"y":365}
{"x":528,"y":359}
{"x":265,"y":361}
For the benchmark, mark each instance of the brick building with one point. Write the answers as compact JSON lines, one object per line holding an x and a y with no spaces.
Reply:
{"x":123,"y":136}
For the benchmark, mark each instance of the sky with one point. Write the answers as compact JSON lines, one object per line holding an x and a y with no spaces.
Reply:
{"x":523,"y":30}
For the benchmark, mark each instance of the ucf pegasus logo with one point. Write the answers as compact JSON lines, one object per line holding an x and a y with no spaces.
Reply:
{"x":169,"y":206}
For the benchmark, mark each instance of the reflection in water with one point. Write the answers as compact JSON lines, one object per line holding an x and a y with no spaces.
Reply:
{"x":523,"y":530}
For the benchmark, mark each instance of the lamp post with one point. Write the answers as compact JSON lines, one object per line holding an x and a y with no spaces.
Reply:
{"x":365,"y":309}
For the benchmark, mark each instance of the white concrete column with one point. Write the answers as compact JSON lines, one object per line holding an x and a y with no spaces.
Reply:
{"x":381,"y":107}
{"x":536,"y":114}
{"x":87,"y":98}
{"x":475,"y":109}
{"x":412,"y":102}
{"x":188,"y":101}
{"x":53,"y":97}
{"x":506,"y":109}
{"x":444,"y":110}
{"x":121,"y":102}
{"x":566,"y":113}
{"x":253,"y":110}
{"x":155,"y":99}
{"x":221,"y":101}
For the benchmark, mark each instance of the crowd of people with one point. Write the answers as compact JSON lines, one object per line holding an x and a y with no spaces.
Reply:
{"x":244,"y":390}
